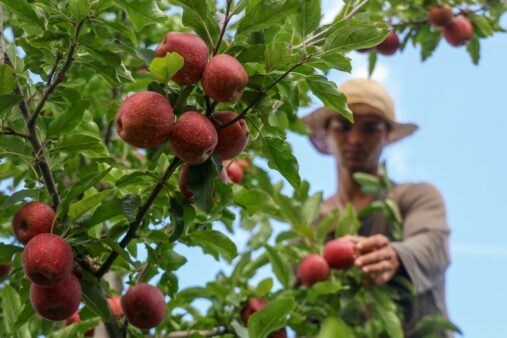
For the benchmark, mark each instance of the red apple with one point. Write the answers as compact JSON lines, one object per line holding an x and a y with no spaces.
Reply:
{"x":115,"y":305}
{"x":32,"y":219}
{"x":459,"y":31}
{"x":339,"y":253}
{"x":193,"y":138}
{"x":231,"y":139}
{"x":440,"y":15}
{"x":282,"y":333}
{"x":74,"y":319}
{"x":145,"y":119}
{"x":254,"y":305}
{"x":144,"y":306}
{"x":5,"y":269}
{"x":58,"y":302}
{"x":312,"y":269}
{"x":224,"y":78}
{"x":194,"y":51}
{"x":390,"y":44}
{"x":234,"y":172}
{"x":47,"y":260}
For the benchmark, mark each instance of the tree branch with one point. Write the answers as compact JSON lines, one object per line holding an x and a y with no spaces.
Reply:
{"x":51,"y":85}
{"x":227,"y":18}
{"x":10,"y":131}
{"x":134,"y":226}
{"x":2,"y":44}
{"x":263,"y":93}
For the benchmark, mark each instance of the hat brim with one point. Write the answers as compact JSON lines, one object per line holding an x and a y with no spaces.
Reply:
{"x":316,"y":121}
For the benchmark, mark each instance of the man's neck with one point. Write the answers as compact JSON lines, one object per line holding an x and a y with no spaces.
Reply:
{"x":348,"y":189}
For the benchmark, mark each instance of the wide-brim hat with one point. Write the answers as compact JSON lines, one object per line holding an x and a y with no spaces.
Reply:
{"x":364,"y":97}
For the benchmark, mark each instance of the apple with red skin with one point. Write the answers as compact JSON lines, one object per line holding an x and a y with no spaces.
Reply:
{"x":390,"y":44}
{"x":224,"y":78}
{"x":58,"y":302}
{"x":231,"y":139}
{"x":312,"y":269}
{"x":5,"y":269}
{"x":32,"y":219}
{"x":440,"y":16}
{"x":115,"y":305}
{"x":234,"y":171}
{"x":145,"y":119}
{"x":75,"y":319}
{"x":254,"y":305}
{"x":183,"y":180}
{"x":339,"y":253}
{"x":194,"y":51}
{"x":193,"y":137}
{"x":459,"y":31}
{"x":144,"y":306}
{"x":48,"y":260}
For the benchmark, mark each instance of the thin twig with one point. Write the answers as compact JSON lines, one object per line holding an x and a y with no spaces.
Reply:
{"x":61,"y":74}
{"x":263,"y":93}
{"x":10,"y":131}
{"x":224,"y":26}
{"x":134,"y":226}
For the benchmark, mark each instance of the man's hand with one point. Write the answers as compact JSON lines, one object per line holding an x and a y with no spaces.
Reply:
{"x":377,"y":258}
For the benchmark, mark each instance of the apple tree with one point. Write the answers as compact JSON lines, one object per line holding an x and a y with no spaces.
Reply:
{"x":127,"y":127}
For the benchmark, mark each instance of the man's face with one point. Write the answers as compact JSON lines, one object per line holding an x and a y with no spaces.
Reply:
{"x":357,"y":146}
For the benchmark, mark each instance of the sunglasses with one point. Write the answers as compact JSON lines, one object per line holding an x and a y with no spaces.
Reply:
{"x":367,"y":127}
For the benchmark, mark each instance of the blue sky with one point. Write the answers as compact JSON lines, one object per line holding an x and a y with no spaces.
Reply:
{"x":460,"y":109}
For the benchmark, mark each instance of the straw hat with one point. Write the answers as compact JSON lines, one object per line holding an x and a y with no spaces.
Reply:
{"x":364,"y":96}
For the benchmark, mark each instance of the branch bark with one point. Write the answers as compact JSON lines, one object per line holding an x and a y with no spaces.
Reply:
{"x":2,"y":44}
{"x":134,"y":226}
{"x":224,"y":26}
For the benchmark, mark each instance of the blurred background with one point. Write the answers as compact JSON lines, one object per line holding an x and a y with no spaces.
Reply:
{"x":460,"y":148}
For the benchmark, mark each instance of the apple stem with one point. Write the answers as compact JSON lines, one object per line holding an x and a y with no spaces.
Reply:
{"x":182,"y":98}
{"x":143,"y":209}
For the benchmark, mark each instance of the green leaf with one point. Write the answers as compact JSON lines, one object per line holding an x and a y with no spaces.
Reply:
{"x":433,"y":324}
{"x":349,"y":223}
{"x":105,"y":212}
{"x":68,"y":120}
{"x":142,"y":12}
{"x":354,"y":34}
{"x":311,"y":208}
{"x":11,"y":306}
{"x":264,"y":287}
{"x":262,"y":14}
{"x":9,"y":101}
{"x":200,"y":181}
{"x":280,"y":157}
{"x":324,"y":288}
{"x":7,"y":80}
{"x":81,"y":143}
{"x":253,"y":200}
{"x":17,"y":197}
{"x":87,"y":205}
{"x":198,"y":16}
{"x":327,"y":223}
{"x":25,"y":12}
{"x":129,"y":205}
{"x":372,"y":61}
{"x":27,"y":312}
{"x":334,"y":327}
{"x":93,"y":297}
{"x":212,"y":242}
{"x":79,"y":9}
{"x":280,"y":266}
{"x":474,"y":49}
{"x":277,"y":55}
{"x":328,"y":93}
{"x":370,"y":184}
{"x":117,"y":248}
{"x":170,"y":260}
{"x":385,"y":309}
{"x":331,"y":59}
{"x":309,"y":18}
{"x":270,"y":318}
{"x":7,"y":251}
{"x":164,"y":68}
{"x":177,"y":213}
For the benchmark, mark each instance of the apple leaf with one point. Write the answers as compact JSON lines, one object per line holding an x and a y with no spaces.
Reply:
{"x":79,"y":9}
{"x":355,"y":34}
{"x":68,"y":120}
{"x":142,"y":12}
{"x":11,"y":306}
{"x":334,"y":327}
{"x":9,"y":101}
{"x":279,"y":154}
{"x":280,"y":267}
{"x":7,"y":251}
{"x":164,"y":68}
{"x":7,"y":80}
{"x":270,"y":318}
{"x":328,"y":93}
{"x":213,"y":242}
{"x":200,"y":181}
{"x":129,"y":205}
{"x":324,"y":288}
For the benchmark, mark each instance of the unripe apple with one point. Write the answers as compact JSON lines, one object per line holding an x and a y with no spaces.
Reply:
{"x":144,"y":119}
{"x":254,"y":305}
{"x":440,"y":16}
{"x":339,"y":253}
{"x":234,"y":171}
{"x":459,"y":31}
{"x":312,"y":269}
{"x":193,"y":137}
{"x":224,"y":78}
{"x":32,"y":219}
{"x":47,"y":260}
{"x":183,"y":180}
{"x":75,"y":319}
{"x":144,"y":306}
{"x":390,"y":44}
{"x":58,"y":302}
{"x":231,"y":139}
{"x":194,"y":52}
{"x":115,"y":305}
{"x":5,"y":269}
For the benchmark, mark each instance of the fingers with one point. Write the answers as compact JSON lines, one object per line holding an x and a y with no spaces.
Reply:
{"x":353,"y":239}
{"x":378,"y":268}
{"x":379,"y":279}
{"x":373,"y":257}
{"x":367,"y":244}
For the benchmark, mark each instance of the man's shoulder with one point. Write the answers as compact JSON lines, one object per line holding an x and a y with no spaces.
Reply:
{"x":410,"y":192}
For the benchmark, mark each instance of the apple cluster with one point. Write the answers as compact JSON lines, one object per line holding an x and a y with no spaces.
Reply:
{"x":457,"y":30}
{"x":337,"y":254}
{"x":55,"y":293}
{"x":254,"y":305}
{"x":146,"y":119}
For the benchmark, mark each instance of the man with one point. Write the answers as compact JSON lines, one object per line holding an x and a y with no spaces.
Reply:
{"x":422,"y":255}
